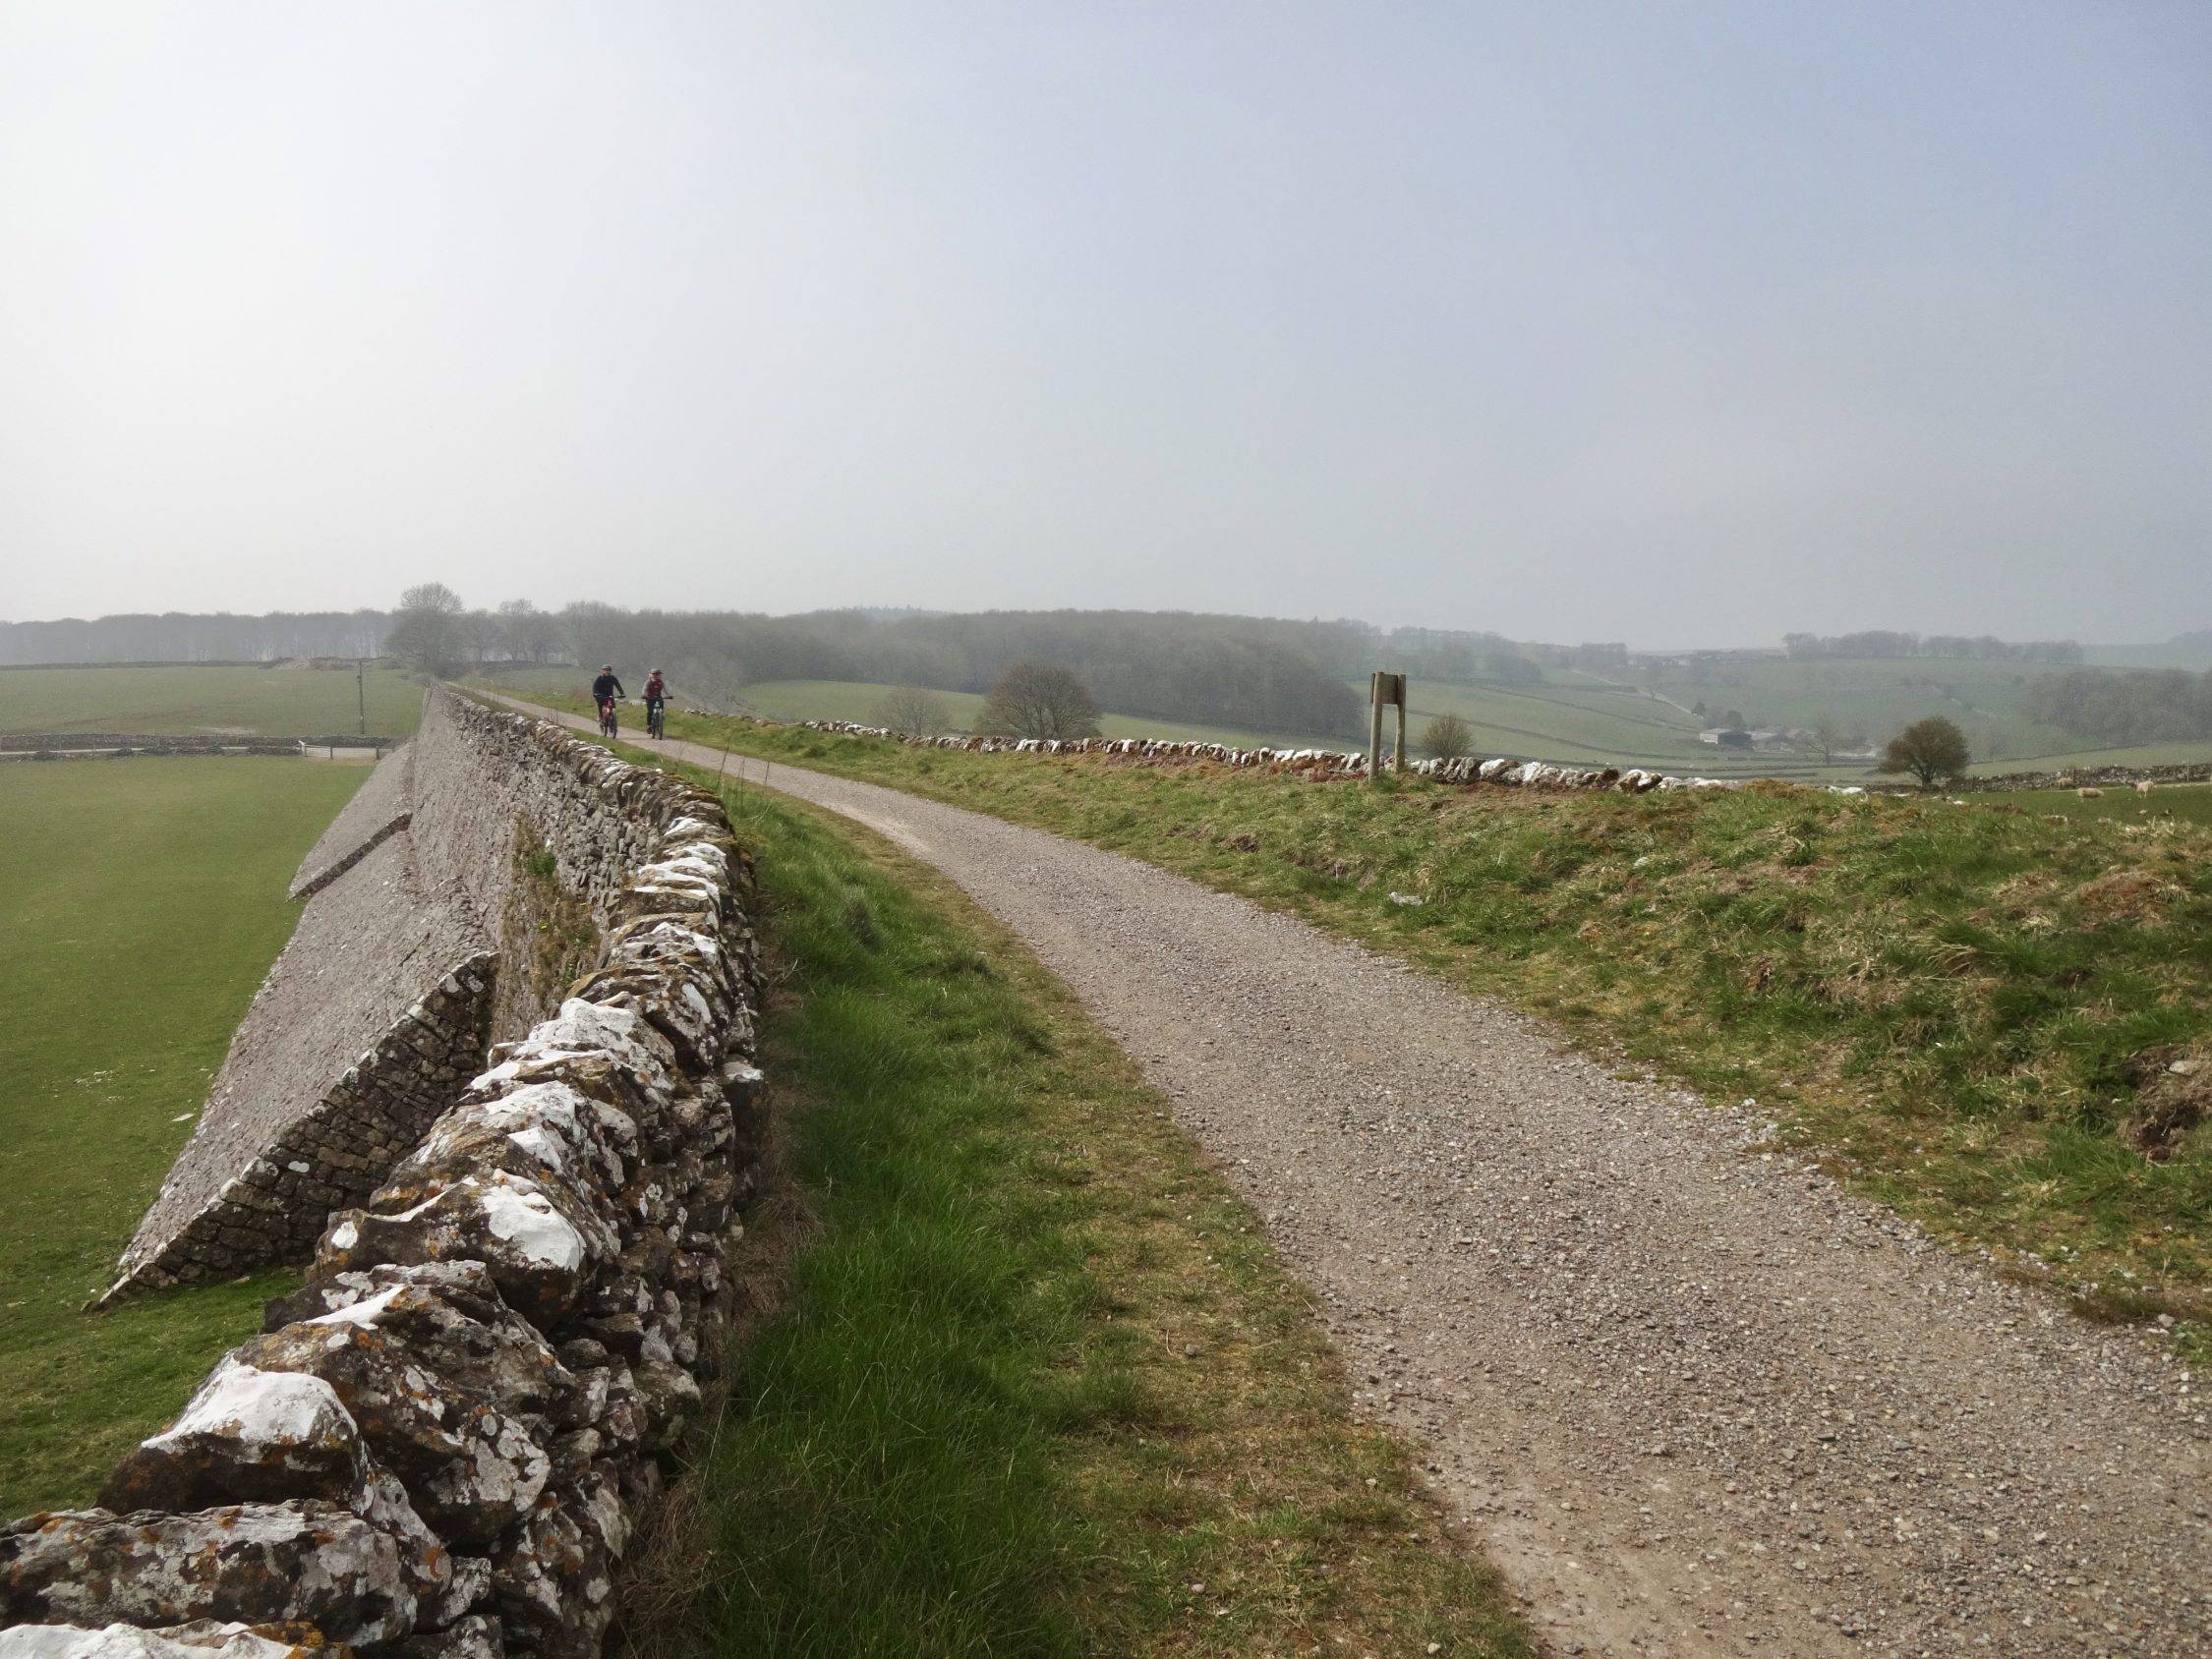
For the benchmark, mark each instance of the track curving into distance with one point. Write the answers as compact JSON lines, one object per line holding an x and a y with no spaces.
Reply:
{"x":1693,"y":1399}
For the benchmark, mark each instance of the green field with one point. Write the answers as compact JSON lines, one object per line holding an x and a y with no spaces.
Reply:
{"x":2140,"y":755}
{"x":1581,"y":718}
{"x":1586,"y":725}
{"x":1878,"y":696}
{"x":1955,"y":1004}
{"x":2195,"y":655}
{"x":141,"y":900}
{"x":279,"y":702}
{"x":2188,"y":803}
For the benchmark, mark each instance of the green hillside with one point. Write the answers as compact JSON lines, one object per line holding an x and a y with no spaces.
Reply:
{"x":1564,"y":721}
{"x":1874,"y":696}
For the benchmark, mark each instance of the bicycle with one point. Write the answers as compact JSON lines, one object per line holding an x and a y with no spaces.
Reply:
{"x":606,"y":722}
{"x":657,"y":717}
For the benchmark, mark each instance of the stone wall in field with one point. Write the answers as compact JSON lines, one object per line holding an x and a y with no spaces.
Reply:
{"x":1505,"y":772}
{"x":442,"y":1444}
{"x":411,"y":956}
{"x":102,"y":746}
{"x":1473,"y":770}
{"x":2091,"y":777}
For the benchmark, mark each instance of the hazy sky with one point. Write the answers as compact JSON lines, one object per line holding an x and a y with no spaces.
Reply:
{"x":1678,"y":323}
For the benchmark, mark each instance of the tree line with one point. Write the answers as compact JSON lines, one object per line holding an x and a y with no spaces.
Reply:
{"x":2126,"y":707}
{"x":1251,"y":672}
{"x":1879,"y":642}
{"x":183,"y":637}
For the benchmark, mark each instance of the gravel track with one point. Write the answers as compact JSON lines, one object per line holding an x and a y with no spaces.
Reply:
{"x":1694,"y":1398}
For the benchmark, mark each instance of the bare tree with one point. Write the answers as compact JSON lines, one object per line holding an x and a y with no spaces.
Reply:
{"x":914,"y":712}
{"x":1829,"y":735}
{"x":1447,"y":737}
{"x":1932,"y":750}
{"x":593,"y":632}
{"x":486,"y":632}
{"x":428,"y":633}
{"x":1033,"y":700}
{"x":527,"y":634}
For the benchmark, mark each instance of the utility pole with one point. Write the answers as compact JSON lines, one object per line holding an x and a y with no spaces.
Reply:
{"x":361,"y":692}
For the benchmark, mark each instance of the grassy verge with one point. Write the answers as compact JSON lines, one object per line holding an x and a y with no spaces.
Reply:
{"x":1037,"y":1384}
{"x":1970,"y":1008}
{"x":142,"y":901}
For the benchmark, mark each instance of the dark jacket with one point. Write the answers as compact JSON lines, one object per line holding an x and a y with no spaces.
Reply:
{"x":605,"y":686}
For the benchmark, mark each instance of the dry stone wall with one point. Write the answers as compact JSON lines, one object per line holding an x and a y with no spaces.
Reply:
{"x":442,"y":1445}
{"x":393,"y":986}
{"x":273,"y":1208}
{"x":97,"y":746}
{"x":1506,"y":771}
{"x":2100,"y":776}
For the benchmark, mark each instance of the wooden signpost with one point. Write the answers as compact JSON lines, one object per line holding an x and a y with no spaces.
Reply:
{"x":1385,"y":689}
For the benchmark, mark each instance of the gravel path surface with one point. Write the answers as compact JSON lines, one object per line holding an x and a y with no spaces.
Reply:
{"x":1694,"y":1398}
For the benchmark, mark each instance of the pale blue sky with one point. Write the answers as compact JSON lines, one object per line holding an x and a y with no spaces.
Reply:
{"x":1678,"y":323}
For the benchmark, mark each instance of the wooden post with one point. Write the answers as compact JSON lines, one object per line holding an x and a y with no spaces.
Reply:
{"x":1386,"y":688}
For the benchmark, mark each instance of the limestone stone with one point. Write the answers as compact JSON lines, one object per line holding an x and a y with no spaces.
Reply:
{"x":454,"y":1394}
{"x":258,"y":1564}
{"x":542,"y":1239}
{"x":196,"y":1641}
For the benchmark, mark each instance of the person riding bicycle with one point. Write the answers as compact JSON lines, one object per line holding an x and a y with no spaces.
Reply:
{"x":655,"y":701}
{"x":605,"y":690}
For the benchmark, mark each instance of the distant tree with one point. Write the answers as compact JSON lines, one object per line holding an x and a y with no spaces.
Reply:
{"x":1033,"y":699}
{"x":485,"y":632}
{"x":429,"y":631}
{"x":526,"y":633}
{"x":1932,"y":750}
{"x":1450,"y":659}
{"x":1829,"y":735}
{"x":1447,"y":737}
{"x":594,"y":632}
{"x":914,"y":712}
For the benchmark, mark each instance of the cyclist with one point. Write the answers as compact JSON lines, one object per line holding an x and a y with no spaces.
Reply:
{"x":655,"y":701}
{"x":606,"y":691}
